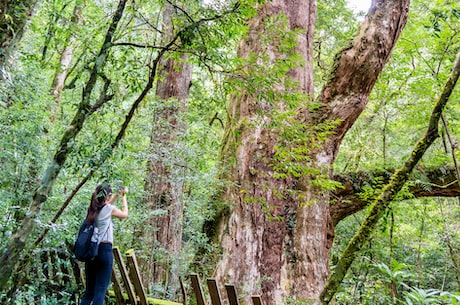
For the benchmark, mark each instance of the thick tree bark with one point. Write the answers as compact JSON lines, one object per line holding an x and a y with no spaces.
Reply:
{"x":20,"y":238}
{"x":274,"y":243}
{"x":164,"y":187}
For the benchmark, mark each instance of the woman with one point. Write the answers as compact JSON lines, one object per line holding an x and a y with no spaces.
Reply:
{"x":99,"y":270}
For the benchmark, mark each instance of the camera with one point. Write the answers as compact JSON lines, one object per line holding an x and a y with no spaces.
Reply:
{"x":120,"y":187}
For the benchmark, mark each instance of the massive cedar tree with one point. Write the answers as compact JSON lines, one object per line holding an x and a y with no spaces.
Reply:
{"x":277,"y":233}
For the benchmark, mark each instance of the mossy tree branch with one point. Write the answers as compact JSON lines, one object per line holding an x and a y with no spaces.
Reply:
{"x":397,"y":181}
{"x":355,"y":196}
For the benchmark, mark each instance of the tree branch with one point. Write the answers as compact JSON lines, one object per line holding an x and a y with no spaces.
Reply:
{"x":137,"y":45}
{"x":389,"y":192}
{"x":361,"y":188}
{"x":357,"y":66}
{"x":452,"y":147}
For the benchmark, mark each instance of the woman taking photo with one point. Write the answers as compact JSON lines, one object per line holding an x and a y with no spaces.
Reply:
{"x":100,"y":212}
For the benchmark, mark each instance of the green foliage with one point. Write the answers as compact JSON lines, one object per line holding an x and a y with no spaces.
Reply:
{"x":382,"y":136}
{"x":395,"y":275}
{"x":422,"y":296}
{"x":415,"y":244}
{"x":335,"y":26}
{"x":293,"y":151}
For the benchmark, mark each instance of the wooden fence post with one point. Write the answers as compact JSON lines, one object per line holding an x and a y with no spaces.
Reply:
{"x":117,"y":288}
{"x":124,"y":275}
{"x":184,"y":291}
{"x":214,"y":292}
{"x":136,"y":277}
{"x":197,"y":289}
{"x":256,"y":300}
{"x":231,"y":294}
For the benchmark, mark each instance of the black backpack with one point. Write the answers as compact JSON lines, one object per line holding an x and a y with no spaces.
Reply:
{"x":85,"y":249}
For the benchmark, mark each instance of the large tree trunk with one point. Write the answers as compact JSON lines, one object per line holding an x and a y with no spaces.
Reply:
{"x":277,"y":235}
{"x":164,"y":186}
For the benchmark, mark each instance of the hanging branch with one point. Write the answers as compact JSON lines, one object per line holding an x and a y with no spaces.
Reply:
{"x":389,"y":192}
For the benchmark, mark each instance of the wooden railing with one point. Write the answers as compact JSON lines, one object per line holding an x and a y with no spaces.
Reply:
{"x":214,"y":293}
{"x":128,"y":288}
{"x":58,"y":271}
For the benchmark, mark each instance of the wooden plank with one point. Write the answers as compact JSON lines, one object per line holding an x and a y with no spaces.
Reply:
{"x":124,"y":275}
{"x":214,"y":292}
{"x":136,"y":277}
{"x":184,"y":291}
{"x":117,"y":288}
{"x":197,"y":289}
{"x":256,"y":300}
{"x":231,"y":294}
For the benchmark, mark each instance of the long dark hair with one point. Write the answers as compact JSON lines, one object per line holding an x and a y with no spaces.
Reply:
{"x":97,"y":201}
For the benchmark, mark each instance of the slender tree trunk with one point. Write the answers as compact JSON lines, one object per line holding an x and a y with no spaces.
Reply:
{"x":66,"y":57}
{"x":164,"y":186}
{"x":277,"y":233}
{"x":393,"y":287}
{"x":419,"y":248}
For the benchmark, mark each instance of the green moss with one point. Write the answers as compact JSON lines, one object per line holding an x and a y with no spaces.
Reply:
{"x":151,"y":301}
{"x":309,"y":301}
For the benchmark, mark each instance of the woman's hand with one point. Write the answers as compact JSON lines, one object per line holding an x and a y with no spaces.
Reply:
{"x":122,"y":191}
{"x":123,"y":213}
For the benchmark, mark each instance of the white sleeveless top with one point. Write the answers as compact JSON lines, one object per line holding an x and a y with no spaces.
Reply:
{"x":104,"y":225}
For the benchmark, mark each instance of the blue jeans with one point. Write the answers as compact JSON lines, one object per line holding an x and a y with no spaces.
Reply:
{"x":98,"y":272}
